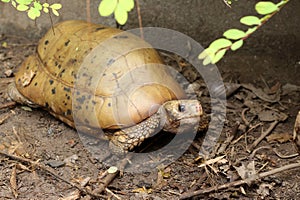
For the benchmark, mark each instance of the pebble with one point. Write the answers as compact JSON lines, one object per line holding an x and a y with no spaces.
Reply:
{"x":55,"y":163}
{"x":8,"y":73}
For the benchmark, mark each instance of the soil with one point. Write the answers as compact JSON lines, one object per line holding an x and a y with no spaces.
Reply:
{"x":36,"y":135}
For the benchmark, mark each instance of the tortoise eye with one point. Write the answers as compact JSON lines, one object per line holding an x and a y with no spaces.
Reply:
{"x":181,"y":107}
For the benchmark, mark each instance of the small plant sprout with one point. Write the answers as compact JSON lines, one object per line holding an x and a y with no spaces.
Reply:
{"x":34,"y":7}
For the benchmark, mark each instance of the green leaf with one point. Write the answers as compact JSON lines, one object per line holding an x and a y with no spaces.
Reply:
{"x":22,"y":7}
{"x":126,"y":4}
{"x":46,"y":5}
{"x":234,"y":34}
{"x":251,"y":30}
{"x":238,"y":44}
{"x":56,"y":6}
{"x":265,"y":7}
{"x":33,"y":13}
{"x":107,"y":7}
{"x":24,"y":2}
{"x":5,"y":1}
{"x":218,"y":56}
{"x":37,"y":5}
{"x":203,"y":54}
{"x":250,"y":20}
{"x":121,"y":15}
{"x":219,"y":44}
{"x":14,"y":4}
{"x":207,"y":60}
{"x":55,"y":12}
{"x":46,"y":10}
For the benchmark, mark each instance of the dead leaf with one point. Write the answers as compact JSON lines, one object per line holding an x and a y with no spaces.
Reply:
{"x":271,"y":115}
{"x":13,"y":181}
{"x":279,"y":137}
{"x":264,"y":190}
{"x":289,"y":88}
{"x":72,"y":196}
{"x":261,"y":94}
{"x":247,"y":172}
{"x":142,"y":190}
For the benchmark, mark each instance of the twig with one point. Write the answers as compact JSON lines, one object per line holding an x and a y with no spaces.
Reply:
{"x":240,"y":182}
{"x":228,"y":140}
{"x":110,"y":176}
{"x":88,"y":11}
{"x":247,"y":123}
{"x":8,"y":105}
{"x":262,"y":136}
{"x":140,"y":18}
{"x":49,"y":171}
{"x":280,"y":155}
{"x":113,"y":194}
{"x":5,"y":117}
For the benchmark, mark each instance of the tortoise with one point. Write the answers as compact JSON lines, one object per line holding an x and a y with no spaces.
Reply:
{"x":91,"y":84}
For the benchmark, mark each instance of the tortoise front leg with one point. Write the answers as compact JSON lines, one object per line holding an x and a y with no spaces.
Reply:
{"x":126,"y":139}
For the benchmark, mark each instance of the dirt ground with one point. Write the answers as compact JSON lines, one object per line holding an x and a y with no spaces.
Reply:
{"x":51,"y":146}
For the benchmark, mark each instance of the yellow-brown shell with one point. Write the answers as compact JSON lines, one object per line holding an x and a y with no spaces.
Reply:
{"x":77,"y":71}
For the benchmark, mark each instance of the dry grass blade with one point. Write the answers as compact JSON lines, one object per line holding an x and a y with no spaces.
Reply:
{"x":13,"y":181}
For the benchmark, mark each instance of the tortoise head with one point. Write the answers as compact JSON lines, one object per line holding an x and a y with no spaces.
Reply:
{"x":181,"y":115}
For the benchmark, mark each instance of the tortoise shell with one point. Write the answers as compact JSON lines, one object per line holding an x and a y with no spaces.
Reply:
{"x":102,"y":76}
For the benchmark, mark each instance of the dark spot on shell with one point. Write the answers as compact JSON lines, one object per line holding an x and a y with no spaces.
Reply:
{"x":85,"y":74}
{"x":47,"y":105}
{"x":61,"y":73}
{"x":72,"y":61}
{"x":69,"y":112}
{"x":59,"y":66}
{"x":67,"y":89}
{"x":94,"y":102}
{"x":27,"y":67}
{"x":87,"y":107}
{"x":78,"y":107}
{"x":90,"y":96}
{"x":104,"y":74}
{"x":99,"y":28}
{"x":86,"y":121}
{"x":73,"y":74}
{"x":53,"y":91}
{"x":111,"y":61}
{"x":56,"y":63}
{"x":51,"y":82}
{"x":46,"y":42}
{"x":78,"y":93}
{"x":35,"y":84}
{"x":109,"y":104}
{"x":121,"y":37}
{"x":67,"y":43}
{"x":68,"y":97}
{"x":81,"y":99}
{"x":65,"y":104}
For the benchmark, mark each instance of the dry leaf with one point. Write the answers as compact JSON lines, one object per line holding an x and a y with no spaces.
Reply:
{"x":280,"y":137}
{"x":247,"y":172}
{"x":72,"y":196}
{"x":142,"y":190}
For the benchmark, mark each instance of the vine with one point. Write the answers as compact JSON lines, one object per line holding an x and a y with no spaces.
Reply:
{"x":234,"y":38}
